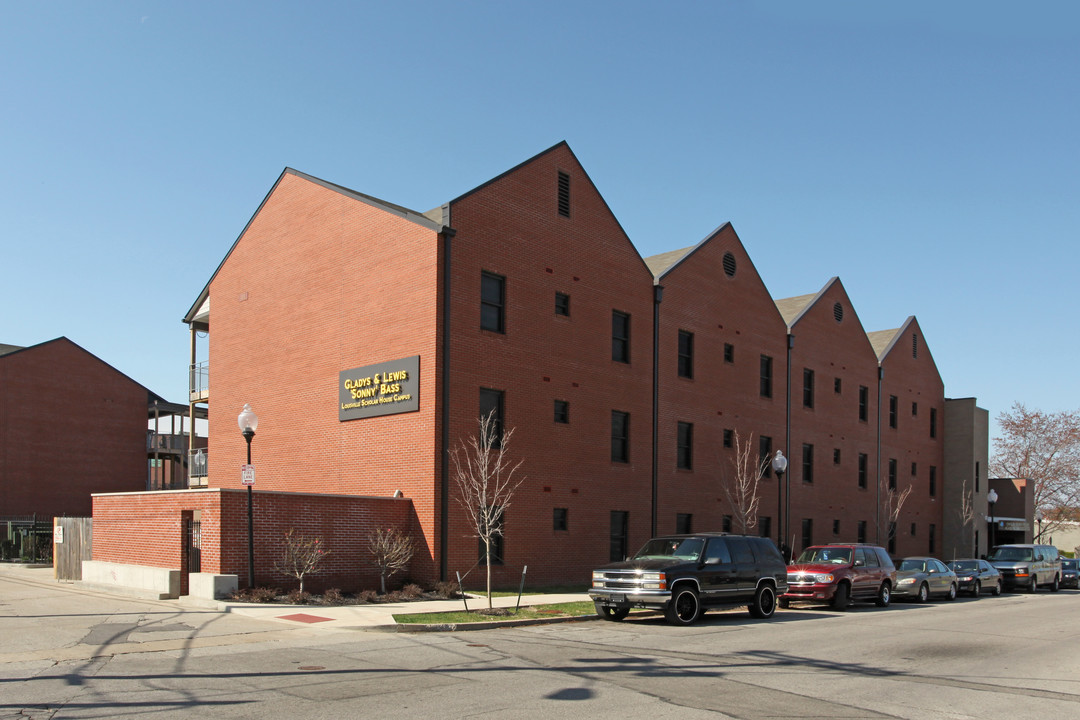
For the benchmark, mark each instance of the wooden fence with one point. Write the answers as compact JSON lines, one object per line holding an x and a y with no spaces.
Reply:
{"x":71,"y":545}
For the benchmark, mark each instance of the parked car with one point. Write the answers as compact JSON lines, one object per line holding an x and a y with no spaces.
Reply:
{"x":1070,"y":573}
{"x":921,"y":578}
{"x":838,"y":574}
{"x":976,"y":576}
{"x":1027,"y":566}
{"x":683,"y":575}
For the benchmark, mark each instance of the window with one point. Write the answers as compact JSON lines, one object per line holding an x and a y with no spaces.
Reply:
{"x":562,"y":411}
{"x":496,"y":541}
{"x":564,"y":194}
{"x":933,"y":538}
{"x":933,"y":424}
{"x":977,"y":477}
{"x":729,"y":353}
{"x":933,"y":481}
{"x":892,"y":473}
{"x":492,"y":302}
{"x":807,"y":463}
{"x":892,"y":539}
{"x":562,"y":304}
{"x":683,"y":523}
{"x":860,"y":535}
{"x":685,"y":452}
{"x":864,"y":401}
{"x":835,"y":527}
{"x":808,"y":387}
{"x":620,"y":337}
{"x":912,"y":529}
{"x":560,"y":519}
{"x":620,"y":436}
{"x":862,"y":470}
{"x":491,"y":404}
{"x":686,"y":354}
{"x":766,"y":376}
{"x":836,"y":456}
{"x":725,"y":523}
{"x":765,"y":454}
{"x":914,"y":469}
{"x":620,"y":532}
{"x":914,"y":409}
{"x":728,"y":438}
{"x":807,"y":533}
{"x":892,"y":411}
{"x":837,"y":385}
{"x":764,"y":526}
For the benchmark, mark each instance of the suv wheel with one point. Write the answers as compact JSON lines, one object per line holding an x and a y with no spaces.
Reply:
{"x":976,"y":589}
{"x":840,"y":599}
{"x":952,"y":591}
{"x":1034,"y":583}
{"x":764,"y":605}
{"x":1057,"y":584}
{"x":924,"y":593}
{"x":684,"y":607}
{"x":611,"y":613}
{"x":884,"y":595}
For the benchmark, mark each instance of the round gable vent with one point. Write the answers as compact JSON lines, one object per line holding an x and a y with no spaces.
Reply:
{"x":838,"y":312}
{"x":729,"y":264}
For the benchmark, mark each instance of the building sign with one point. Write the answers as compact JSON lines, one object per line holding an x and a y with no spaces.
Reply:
{"x":387,"y":388}
{"x":1013,"y":525}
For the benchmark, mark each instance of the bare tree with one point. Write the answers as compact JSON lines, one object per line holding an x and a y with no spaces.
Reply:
{"x":1043,"y":448}
{"x":966,"y":513}
{"x":392,"y":551}
{"x":892,"y":500}
{"x":740,"y":484}
{"x":484,"y":475}
{"x":301,"y":556}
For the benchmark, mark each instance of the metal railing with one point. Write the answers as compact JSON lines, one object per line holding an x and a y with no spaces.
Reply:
{"x":199,"y":380}
{"x":197,"y":463}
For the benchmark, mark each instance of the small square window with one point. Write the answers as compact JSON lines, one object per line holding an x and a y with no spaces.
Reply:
{"x":728,"y":438}
{"x":684,"y":523}
{"x":562,"y":304}
{"x":562,"y":411}
{"x":725,"y":524}
{"x":559,"y":519}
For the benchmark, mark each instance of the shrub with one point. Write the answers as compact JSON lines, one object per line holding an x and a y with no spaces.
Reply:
{"x":299,"y":597}
{"x":366,"y":596}
{"x":333,"y":596}
{"x":446,"y":589}
{"x":412,"y":591}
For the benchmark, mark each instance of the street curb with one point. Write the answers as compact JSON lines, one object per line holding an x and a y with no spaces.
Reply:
{"x":487,"y":625}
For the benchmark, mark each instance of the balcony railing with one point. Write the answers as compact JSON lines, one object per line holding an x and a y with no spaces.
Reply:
{"x":197,"y":466}
{"x":199,"y":381}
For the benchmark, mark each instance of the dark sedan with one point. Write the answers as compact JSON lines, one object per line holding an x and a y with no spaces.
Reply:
{"x":1069,"y":573}
{"x":976,"y":576}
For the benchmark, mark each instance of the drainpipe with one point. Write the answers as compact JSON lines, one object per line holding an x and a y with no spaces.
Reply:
{"x":787,"y":442}
{"x":444,"y":440}
{"x":877,"y":471}
{"x":658,"y":295}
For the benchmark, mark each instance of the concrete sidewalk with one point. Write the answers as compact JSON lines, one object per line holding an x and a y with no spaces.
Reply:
{"x":373,"y":616}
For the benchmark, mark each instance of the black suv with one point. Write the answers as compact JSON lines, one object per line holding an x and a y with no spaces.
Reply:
{"x":684,"y":574}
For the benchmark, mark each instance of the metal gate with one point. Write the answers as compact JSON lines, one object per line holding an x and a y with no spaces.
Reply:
{"x":193,"y":544}
{"x":72,"y":543}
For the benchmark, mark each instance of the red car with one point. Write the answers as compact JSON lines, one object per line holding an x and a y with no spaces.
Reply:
{"x":839,"y":574}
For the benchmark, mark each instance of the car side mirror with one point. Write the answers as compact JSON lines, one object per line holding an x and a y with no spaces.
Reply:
{"x":860,"y":563}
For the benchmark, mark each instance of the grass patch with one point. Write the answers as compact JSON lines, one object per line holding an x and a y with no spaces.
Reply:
{"x":572,"y":609}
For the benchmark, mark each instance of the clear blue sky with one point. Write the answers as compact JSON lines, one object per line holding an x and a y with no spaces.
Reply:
{"x":927,"y":153}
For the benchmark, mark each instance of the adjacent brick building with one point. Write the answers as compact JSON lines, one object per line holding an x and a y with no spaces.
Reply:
{"x":627,"y":381}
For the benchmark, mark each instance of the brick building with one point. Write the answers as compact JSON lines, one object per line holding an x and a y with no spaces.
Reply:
{"x":627,"y":380}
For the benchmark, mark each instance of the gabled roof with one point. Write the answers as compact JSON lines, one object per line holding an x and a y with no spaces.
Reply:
{"x":663,"y":263}
{"x":883,"y":340}
{"x":793,"y":308}
{"x":423,"y":219}
{"x":5,"y":349}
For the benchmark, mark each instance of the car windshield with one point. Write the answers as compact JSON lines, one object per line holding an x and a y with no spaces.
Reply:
{"x":916,"y":565}
{"x":964,"y":565}
{"x":688,"y":549}
{"x":1068,"y":564}
{"x":1011,"y":554}
{"x":834,"y":556}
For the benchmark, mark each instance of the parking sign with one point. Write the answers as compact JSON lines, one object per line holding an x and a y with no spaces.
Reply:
{"x":247,"y":474}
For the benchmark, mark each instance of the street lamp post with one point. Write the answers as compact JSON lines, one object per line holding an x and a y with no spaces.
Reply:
{"x":779,"y":466}
{"x":248,"y":421}
{"x":992,"y":498}
{"x":1039,"y":519}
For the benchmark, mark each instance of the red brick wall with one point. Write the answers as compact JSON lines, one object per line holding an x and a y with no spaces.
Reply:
{"x":699,"y":297}
{"x":512,"y":227}
{"x":319,"y":283}
{"x":70,"y":425}
{"x":146,"y":529}
{"x":832,"y":350}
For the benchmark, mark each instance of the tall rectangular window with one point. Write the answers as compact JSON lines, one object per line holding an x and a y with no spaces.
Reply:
{"x":620,"y":534}
{"x":933,"y":481}
{"x":725,"y":523}
{"x":683,"y":523}
{"x":729,"y":441}
{"x":620,"y":436}
{"x":807,"y":533}
{"x":864,"y":402}
{"x":891,"y":547}
{"x":491,"y":403}
{"x":497,"y":547}
{"x":620,"y":336}
{"x":837,"y":385}
{"x":933,"y":424}
{"x":562,"y":304}
{"x":808,"y":388}
{"x":492,"y":302}
{"x":686,"y":354}
{"x":933,"y":538}
{"x":764,"y":526}
{"x":892,"y":410}
{"x":562,"y":411}
{"x":766,"y":376}
{"x":808,"y":463}
{"x":860,"y":533}
{"x":729,"y":353}
{"x":685,"y":449}
{"x":892,"y":473}
{"x":564,"y":194}
{"x":560,"y":519}
{"x":765,"y":454}
{"x":862,"y":470}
